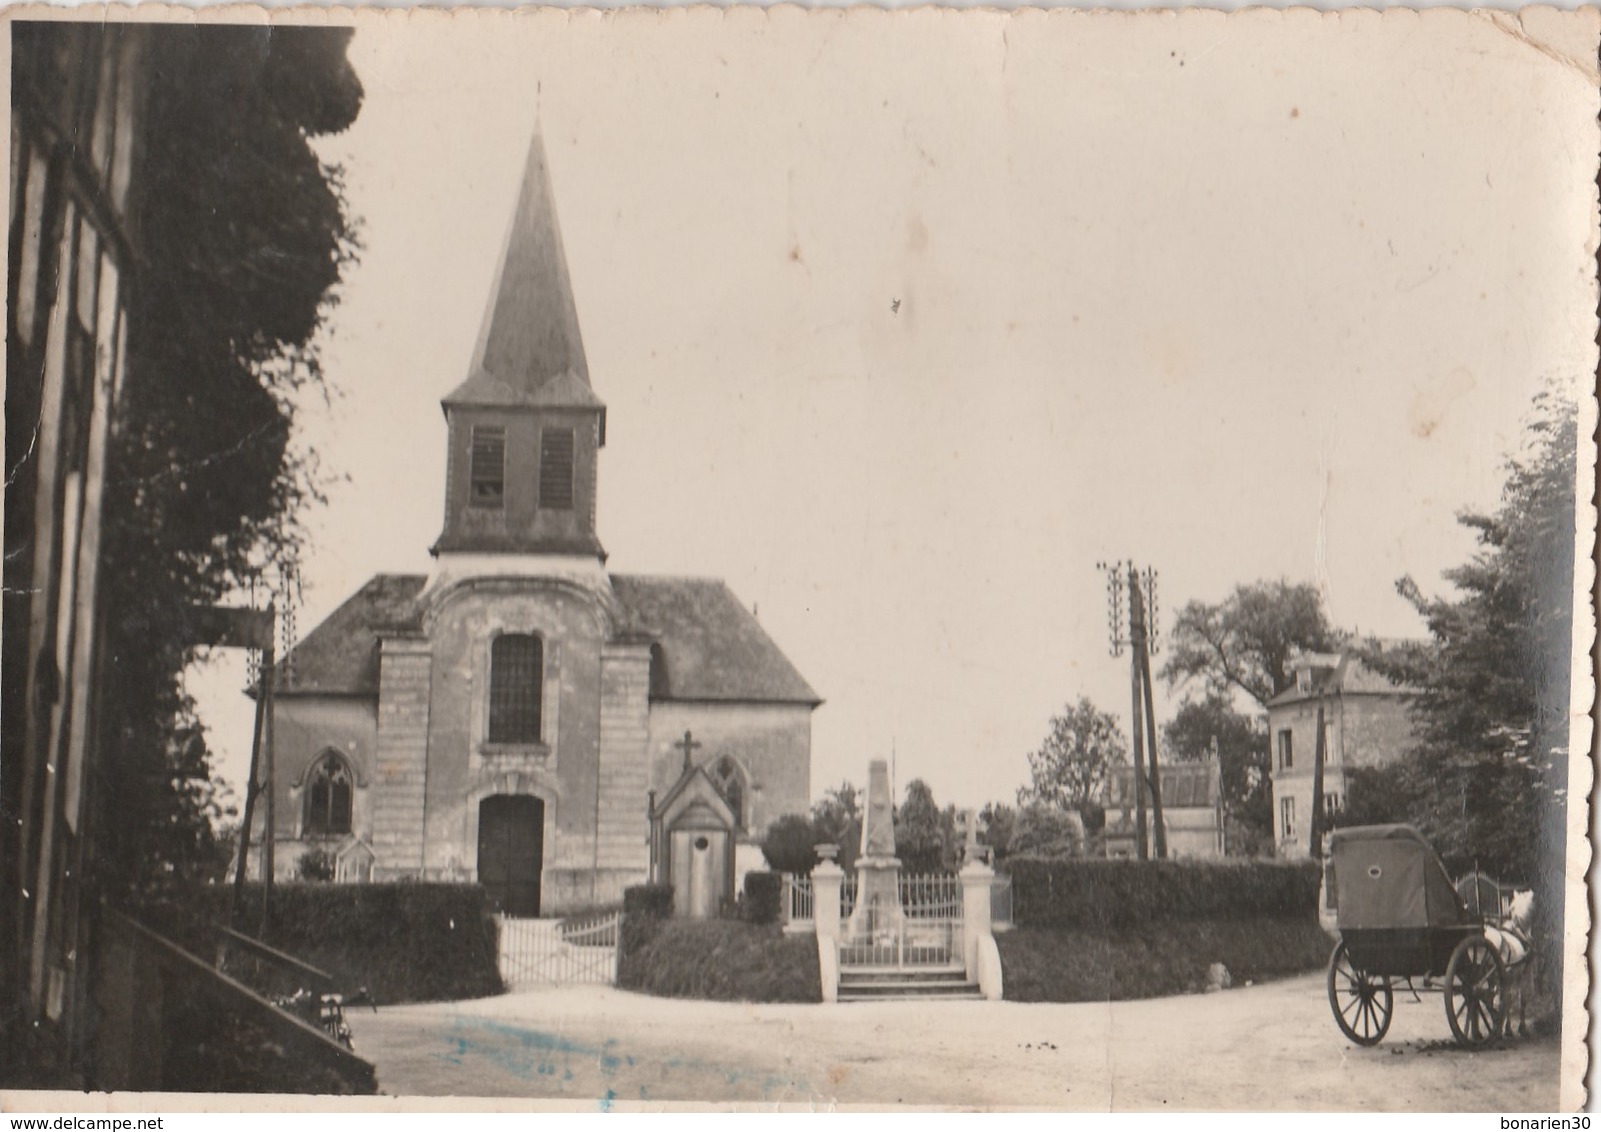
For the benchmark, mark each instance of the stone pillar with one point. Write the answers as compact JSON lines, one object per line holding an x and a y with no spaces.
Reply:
{"x":878,"y":870}
{"x":623,"y":833}
{"x":400,"y":781}
{"x":827,"y":879}
{"x":977,"y":878}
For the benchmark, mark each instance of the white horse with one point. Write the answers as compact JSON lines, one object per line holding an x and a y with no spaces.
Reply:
{"x":1512,"y":938}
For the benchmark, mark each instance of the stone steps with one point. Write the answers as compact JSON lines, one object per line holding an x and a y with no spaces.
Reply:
{"x":876,"y":984}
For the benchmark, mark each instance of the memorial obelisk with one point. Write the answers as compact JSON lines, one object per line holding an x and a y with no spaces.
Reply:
{"x":878,"y":870}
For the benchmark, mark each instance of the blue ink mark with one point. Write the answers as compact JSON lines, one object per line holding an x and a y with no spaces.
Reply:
{"x":606,"y":1100}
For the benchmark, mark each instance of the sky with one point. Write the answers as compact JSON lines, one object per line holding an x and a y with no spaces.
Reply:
{"x":906,"y":321}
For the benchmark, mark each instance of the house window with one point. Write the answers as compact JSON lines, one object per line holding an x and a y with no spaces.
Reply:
{"x":516,"y":671}
{"x":556,"y":468}
{"x":1286,"y":749}
{"x":488,"y":467}
{"x":1333,"y":804}
{"x":328,"y":795}
{"x":1286,"y":818}
{"x":730,"y":784}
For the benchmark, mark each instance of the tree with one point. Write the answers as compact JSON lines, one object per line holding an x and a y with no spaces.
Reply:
{"x":925,"y":835}
{"x":996,"y":823}
{"x":1046,"y":830}
{"x":837,"y":820}
{"x":790,"y":845}
{"x":242,"y":234}
{"x":1202,"y":727}
{"x":1073,"y":762}
{"x":1243,"y":642}
{"x":1487,"y":778}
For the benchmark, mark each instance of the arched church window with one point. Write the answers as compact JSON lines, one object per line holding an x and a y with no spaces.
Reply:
{"x":730,"y":783}
{"x":328,"y":797}
{"x":516,"y":672}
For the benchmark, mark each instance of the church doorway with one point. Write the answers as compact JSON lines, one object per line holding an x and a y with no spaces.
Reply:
{"x":511,"y":851}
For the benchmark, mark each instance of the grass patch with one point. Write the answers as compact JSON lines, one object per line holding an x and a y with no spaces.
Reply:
{"x":720,"y":960}
{"x":1093,"y":965}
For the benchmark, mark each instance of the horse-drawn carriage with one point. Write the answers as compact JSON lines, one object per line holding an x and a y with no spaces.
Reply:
{"x":1401,"y":919}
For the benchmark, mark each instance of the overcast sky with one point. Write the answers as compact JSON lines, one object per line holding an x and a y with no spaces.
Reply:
{"x":1249,"y":299}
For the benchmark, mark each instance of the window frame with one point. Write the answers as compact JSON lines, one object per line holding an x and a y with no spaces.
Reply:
{"x":489,"y":435}
{"x":496,"y":712}
{"x":1286,"y":748}
{"x":558,"y":471}
{"x":334,"y":764}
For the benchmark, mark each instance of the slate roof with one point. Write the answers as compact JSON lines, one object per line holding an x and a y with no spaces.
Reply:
{"x":529,"y":350}
{"x":712,"y":648}
{"x":340,"y":656}
{"x":1184,"y":786}
{"x":1349,"y":677}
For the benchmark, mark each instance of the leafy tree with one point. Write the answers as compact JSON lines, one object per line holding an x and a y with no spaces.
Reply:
{"x":1487,"y":778}
{"x":1204,"y":726}
{"x":996,"y":823}
{"x":1046,"y":830}
{"x":1243,"y":642}
{"x":1073,"y":762}
{"x":790,"y":844}
{"x":925,"y":835}
{"x":837,"y":820}
{"x":242,"y":235}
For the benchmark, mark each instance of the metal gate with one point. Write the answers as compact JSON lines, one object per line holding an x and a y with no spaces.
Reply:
{"x":558,"y":952}
{"x":925,"y":932}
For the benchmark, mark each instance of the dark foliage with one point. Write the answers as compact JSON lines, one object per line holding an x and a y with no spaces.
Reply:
{"x":403,"y":942}
{"x":648,"y":900}
{"x":242,"y":235}
{"x":721,"y":960}
{"x":763,"y":894}
{"x":1243,"y":642}
{"x":790,"y":845}
{"x":1090,"y":893}
{"x":208,"y":1048}
{"x":1073,"y":762}
{"x":925,"y":835}
{"x":837,"y":820}
{"x":1049,"y":832}
{"x":1157,"y":959}
{"x":317,"y":865}
{"x":996,"y":823}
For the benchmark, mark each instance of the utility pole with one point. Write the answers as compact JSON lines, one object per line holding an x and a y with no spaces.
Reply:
{"x":1141,"y":621}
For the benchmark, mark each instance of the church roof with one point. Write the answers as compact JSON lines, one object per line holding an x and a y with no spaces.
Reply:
{"x":529,"y":351}
{"x":711,"y":647}
{"x":340,"y":656}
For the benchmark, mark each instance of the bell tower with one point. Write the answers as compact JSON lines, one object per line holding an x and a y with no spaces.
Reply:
{"x":525,"y":428}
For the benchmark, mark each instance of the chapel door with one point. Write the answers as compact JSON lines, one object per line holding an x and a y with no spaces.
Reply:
{"x":699,"y":868}
{"x":511,"y":851}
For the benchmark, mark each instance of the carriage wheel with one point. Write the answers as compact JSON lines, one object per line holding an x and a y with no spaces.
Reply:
{"x":1362,"y":1003}
{"x":1475,"y":992}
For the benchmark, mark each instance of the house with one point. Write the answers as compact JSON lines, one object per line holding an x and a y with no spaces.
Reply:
{"x":520,"y":716}
{"x":1192,"y":810}
{"x":1366,"y":722}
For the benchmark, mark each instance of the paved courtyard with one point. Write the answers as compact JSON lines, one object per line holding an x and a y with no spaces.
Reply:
{"x":1266,"y":1047}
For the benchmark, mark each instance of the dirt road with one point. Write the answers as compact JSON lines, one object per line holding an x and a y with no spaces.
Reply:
{"x":1266,"y":1047}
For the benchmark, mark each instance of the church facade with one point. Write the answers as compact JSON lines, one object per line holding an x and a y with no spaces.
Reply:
{"x":520,"y":716}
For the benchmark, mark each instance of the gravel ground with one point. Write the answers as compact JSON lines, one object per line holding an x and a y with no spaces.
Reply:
{"x":1266,"y":1047}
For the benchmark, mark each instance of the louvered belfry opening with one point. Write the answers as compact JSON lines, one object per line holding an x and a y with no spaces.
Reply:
{"x":488,"y":466}
{"x":516,"y":664}
{"x":556,"y":468}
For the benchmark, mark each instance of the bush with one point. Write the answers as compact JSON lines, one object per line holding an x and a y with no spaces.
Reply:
{"x":410,"y":942}
{"x":790,"y":845}
{"x":315,"y":865}
{"x":1093,"y":893}
{"x":720,"y":960}
{"x":763,"y":894}
{"x":1092,"y":964}
{"x":654,"y":901}
{"x":1044,"y":830}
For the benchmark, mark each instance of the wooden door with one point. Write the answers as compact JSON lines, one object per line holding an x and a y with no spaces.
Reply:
{"x":699,"y":868}
{"x":511,"y":851}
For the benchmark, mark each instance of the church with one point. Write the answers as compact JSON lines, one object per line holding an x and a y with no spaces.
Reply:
{"x":519,"y":716}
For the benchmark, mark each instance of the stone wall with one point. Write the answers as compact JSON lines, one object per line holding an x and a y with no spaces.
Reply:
{"x":401,"y":765}
{"x":772,"y":742}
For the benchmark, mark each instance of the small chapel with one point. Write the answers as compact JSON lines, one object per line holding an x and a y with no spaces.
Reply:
{"x":519,"y":716}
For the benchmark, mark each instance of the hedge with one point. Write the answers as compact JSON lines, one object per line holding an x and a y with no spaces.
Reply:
{"x":720,"y":960}
{"x":764,"y":892}
{"x":407,"y":942}
{"x":1093,"y":893}
{"x":652,"y":900}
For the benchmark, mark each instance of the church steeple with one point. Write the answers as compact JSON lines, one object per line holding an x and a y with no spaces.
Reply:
{"x":525,"y":426}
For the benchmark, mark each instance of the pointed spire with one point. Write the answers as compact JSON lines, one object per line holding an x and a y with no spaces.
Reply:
{"x":529,"y":349}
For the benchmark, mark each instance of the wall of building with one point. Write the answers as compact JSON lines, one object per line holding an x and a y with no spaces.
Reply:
{"x":772,"y":742}
{"x":562,"y":769}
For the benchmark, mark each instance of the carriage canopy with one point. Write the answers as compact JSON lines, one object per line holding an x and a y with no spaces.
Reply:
{"x":1388,"y":876}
